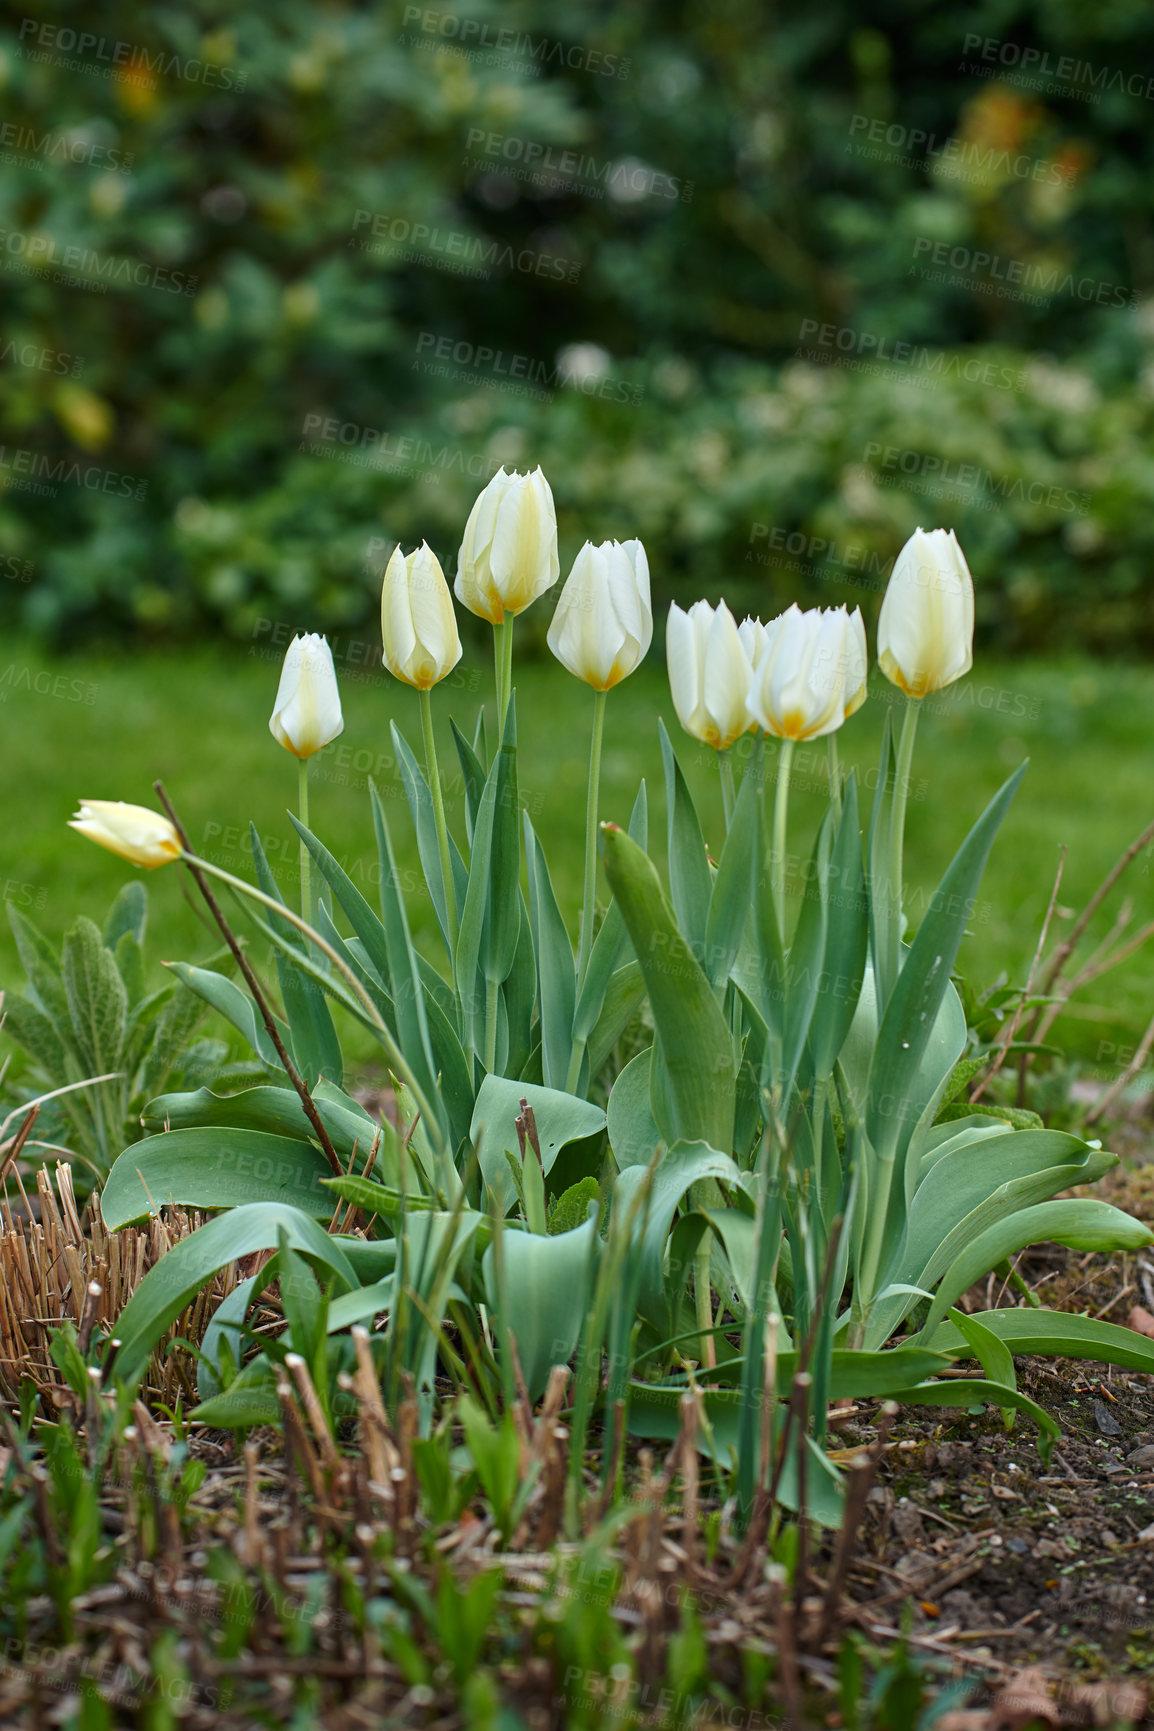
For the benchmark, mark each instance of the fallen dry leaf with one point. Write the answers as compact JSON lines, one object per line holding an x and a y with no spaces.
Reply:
{"x":1141,"y":1322}
{"x":1022,"y":1700}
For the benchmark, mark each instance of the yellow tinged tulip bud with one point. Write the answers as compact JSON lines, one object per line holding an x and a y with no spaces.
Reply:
{"x":132,"y":831}
{"x":603,"y":625}
{"x":809,"y":670}
{"x":418,"y":625}
{"x":509,"y":550}
{"x":926,"y":625}
{"x":710,"y":672}
{"x":307,"y":712}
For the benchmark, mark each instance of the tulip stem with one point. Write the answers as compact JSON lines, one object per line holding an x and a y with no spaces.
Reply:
{"x":586,"y":946}
{"x":725,"y":767}
{"x":834,"y":776}
{"x":780,"y":813}
{"x":434,"y":776}
{"x":897,"y":837}
{"x":303,"y":812}
{"x":503,"y":669}
{"x":507,"y":672}
{"x":499,"y":672}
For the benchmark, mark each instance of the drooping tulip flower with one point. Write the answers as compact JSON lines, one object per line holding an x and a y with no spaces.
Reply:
{"x":418,"y":625}
{"x":307,"y":711}
{"x":603,"y":625}
{"x":800,"y":683}
{"x":509,"y":549}
{"x":132,"y":831}
{"x":710,"y":672}
{"x":926,"y":626}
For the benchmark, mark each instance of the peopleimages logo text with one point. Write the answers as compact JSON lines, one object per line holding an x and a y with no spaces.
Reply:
{"x":1039,"y":63}
{"x":55,"y":39}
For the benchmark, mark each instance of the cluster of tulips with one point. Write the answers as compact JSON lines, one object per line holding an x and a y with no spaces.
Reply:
{"x":796,"y":678}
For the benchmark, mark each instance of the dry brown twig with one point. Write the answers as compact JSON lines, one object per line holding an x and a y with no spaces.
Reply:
{"x":1012,"y":1026}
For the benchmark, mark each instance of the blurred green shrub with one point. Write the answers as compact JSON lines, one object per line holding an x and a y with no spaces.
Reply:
{"x":222,"y":233}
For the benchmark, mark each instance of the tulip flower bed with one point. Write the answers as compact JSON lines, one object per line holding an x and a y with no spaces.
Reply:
{"x":491,"y":1302}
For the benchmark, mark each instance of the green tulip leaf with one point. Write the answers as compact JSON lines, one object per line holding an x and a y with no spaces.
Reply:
{"x":561,"y":1119}
{"x":543,"y":1294}
{"x":191,"y":1263}
{"x":214,"y":1168}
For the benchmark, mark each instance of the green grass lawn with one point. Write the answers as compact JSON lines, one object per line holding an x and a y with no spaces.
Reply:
{"x":106,"y":726}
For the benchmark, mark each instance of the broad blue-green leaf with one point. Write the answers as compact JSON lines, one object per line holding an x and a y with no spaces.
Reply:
{"x":992,"y":1354}
{"x":696,"y":1047}
{"x":420,"y":800}
{"x":315,"y":1048}
{"x":473,"y":772}
{"x":973,"y":1391}
{"x":732,"y":890}
{"x":404,"y":972}
{"x":690,"y":884}
{"x":967,"y":1192}
{"x":611,"y":944}
{"x":226,"y":1325}
{"x":561,"y":1118}
{"x":214,"y":1168}
{"x":544,"y":1295}
{"x":847,"y":940}
{"x":1053,"y":1334}
{"x":361,"y":916}
{"x":278,"y":1110}
{"x":633,"y":1134}
{"x":191,"y":1263}
{"x":235,"y":1006}
{"x":686,"y":1163}
{"x":518,"y":996}
{"x":556,"y":972}
{"x":910,"y":1015}
{"x":623,"y":998}
{"x":1081,"y":1224}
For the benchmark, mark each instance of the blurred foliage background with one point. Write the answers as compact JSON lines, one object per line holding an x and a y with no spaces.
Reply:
{"x":283,"y":284}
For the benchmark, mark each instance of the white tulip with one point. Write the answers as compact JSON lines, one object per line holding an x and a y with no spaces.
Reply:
{"x":799,"y":687}
{"x":710,"y":672}
{"x":418,"y":625}
{"x":307,"y":712}
{"x":926,"y":626}
{"x":603,"y":625}
{"x":132,"y":831}
{"x":857,"y":664}
{"x":509,"y":550}
{"x":752,"y":634}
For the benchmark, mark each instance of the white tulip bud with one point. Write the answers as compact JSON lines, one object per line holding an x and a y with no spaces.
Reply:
{"x":801,"y":681}
{"x":603,"y":625}
{"x":926,"y":625}
{"x":509,"y":550}
{"x":418,"y":625}
{"x":307,"y":712}
{"x":710,"y":672}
